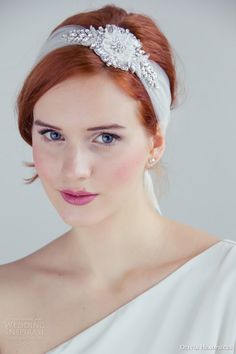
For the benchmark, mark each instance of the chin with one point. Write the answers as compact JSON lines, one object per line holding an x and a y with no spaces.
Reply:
{"x":80,"y":216}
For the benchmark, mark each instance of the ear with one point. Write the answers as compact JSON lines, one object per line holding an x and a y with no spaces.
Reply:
{"x":157,"y":145}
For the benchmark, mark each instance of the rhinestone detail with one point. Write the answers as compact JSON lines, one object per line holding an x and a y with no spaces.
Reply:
{"x":117,"y":47}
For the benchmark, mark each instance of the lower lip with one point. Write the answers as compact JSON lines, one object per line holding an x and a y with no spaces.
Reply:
{"x":78,"y":200}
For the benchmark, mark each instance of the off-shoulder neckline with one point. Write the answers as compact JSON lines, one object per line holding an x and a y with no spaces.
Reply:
{"x":147,"y":291}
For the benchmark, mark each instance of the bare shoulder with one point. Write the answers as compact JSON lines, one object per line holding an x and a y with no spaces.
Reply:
{"x":22,"y":300}
{"x":25,"y":285}
{"x":13,"y":280}
{"x":23,"y":278}
{"x":12,"y":275}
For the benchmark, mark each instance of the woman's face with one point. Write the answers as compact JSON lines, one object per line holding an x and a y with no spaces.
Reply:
{"x":76,"y":155}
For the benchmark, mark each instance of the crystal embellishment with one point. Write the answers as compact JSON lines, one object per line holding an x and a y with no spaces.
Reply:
{"x":117,"y":47}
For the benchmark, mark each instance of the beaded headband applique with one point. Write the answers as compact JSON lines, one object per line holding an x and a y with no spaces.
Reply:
{"x":117,"y":47}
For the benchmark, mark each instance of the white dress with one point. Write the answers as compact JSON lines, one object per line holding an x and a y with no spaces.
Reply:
{"x":192,"y":310}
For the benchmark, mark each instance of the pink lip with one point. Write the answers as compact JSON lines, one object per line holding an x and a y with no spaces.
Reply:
{"x":78,"y":200}
{"x":77,"y":194}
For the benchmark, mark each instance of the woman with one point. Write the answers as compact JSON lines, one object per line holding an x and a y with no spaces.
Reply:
{"x":123,"y":278}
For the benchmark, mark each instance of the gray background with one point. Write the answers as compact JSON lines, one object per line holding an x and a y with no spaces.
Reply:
{"x":201,"y":145}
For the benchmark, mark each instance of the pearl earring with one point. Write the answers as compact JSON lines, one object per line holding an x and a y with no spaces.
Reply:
{"x":151,"y":160}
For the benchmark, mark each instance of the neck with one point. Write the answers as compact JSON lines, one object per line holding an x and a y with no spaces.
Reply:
{"x":124,"y":241}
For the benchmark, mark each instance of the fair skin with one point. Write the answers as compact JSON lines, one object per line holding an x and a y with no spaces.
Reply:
{"x":117,"y":246}
{"x":115,"y":172}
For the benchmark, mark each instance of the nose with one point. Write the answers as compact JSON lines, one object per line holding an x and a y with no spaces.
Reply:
{"x":76,"y":164}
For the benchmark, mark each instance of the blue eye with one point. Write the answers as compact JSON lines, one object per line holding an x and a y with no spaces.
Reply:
{"x":53,"y":133}
{"x":54,"y":137}
{"x":113,"y":136}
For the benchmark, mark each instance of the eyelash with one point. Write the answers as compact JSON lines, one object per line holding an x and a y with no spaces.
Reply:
{"x":44,"y":131}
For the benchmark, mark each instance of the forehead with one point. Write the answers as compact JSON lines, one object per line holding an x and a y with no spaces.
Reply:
{"x":85,"y":100}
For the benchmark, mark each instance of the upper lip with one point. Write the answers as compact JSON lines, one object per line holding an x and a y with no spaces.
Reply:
{"x":77,"y":193}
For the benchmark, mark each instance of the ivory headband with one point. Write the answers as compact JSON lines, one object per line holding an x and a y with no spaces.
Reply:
{"x":119,"y":48}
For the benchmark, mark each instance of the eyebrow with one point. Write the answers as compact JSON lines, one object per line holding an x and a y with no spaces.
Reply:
{"x":102,"y":127}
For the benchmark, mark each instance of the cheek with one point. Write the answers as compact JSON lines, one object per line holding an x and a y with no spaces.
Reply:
{"x":129,"y":166}
{"x":43,"y":163}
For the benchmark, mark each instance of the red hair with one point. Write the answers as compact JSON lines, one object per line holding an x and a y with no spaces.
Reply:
{"x":65,"y":62}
